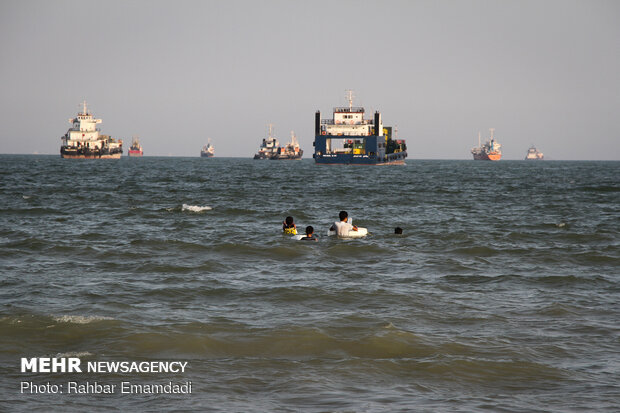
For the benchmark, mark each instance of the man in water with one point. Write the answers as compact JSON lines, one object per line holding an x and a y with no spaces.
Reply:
{"x":343,"y":227}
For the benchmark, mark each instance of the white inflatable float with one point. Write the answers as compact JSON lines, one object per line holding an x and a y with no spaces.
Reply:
{"x":361,"y":232}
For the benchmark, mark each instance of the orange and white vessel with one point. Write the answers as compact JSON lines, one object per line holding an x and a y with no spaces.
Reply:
{"x":290,"y":151}
{"x":490,"y":151}
{"x":83,"y":140}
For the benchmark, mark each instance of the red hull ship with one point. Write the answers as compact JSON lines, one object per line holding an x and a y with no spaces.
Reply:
{"x":135,"y":149}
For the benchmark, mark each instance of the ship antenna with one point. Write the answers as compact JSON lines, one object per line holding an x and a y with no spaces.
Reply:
{"x":270,"y":129}
{"x":84,"y":106}
{"x":478,"y":138}
{"x":350,"y":98}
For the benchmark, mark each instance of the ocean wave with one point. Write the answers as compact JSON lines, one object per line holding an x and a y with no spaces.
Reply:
{"x":79,"y":319}
{"x":292,"y":343}
{"x":74,"y":354}
{"x":195,"y":208}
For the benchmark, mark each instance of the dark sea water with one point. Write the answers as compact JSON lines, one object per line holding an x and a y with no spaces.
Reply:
{"x":502,"y":295}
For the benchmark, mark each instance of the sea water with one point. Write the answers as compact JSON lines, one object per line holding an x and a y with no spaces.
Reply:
{"x":500,"y":295}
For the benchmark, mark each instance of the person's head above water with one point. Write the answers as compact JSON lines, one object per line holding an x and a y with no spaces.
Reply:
{"x":288,"y":221}
{"x":398,"y":230}
{"x":309,"y":230}
{"x":343,"y":215}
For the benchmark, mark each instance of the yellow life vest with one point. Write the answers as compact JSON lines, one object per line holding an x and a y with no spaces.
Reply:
{"x":291,"y":231}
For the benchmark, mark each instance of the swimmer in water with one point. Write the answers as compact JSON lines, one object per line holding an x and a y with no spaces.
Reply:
{"x":343,"y":227}
{"x":309,"y":234}
{"x":398,"y":230}
{"x":289,"y":227}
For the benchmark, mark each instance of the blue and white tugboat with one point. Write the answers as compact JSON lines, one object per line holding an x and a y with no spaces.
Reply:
{"x":348,"y":138}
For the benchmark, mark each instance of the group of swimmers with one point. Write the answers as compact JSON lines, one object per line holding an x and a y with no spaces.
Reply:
{"x":341,"y":227}
{"x":289,"y":227}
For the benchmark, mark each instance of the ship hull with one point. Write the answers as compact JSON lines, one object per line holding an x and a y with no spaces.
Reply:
{"x":134,"y":153}
{"x":290,"y":156}
{"x":351,"y":159}
{"x":77,"y":156}
{"x":206,"y":155}
{"x":487,"y":157}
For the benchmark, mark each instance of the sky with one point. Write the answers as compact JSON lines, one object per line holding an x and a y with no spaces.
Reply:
{"x":177,"y":73}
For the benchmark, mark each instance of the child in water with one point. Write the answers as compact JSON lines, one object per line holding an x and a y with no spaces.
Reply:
{"x":309,"y":234}
{"x":289,"y":227}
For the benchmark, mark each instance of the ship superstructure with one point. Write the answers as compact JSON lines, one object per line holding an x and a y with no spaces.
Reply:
{"x":207,"y":151}
{"x":348,"y":138}
{"x":83,"y":139}
{"x":490,"y":151}
{"x":135,"y":149}
{"x":290,"y":151}
{"x":534,"y":154}
{"x":269,"y":147}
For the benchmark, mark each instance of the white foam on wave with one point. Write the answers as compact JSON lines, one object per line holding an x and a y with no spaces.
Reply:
{"x":196,"y":208}
{"x":80,"y":319}
{"x":74,"y":354}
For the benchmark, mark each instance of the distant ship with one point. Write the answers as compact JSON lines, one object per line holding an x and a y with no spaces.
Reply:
{"x":83,"y":141}
{"x":348,"y":138}
{"x":135,"y":149}
{"x":490,"y":151}
{"x":207,"y":151}
{"x":534,"y":155}
{"x":290,"y":151}
{"x":269,"y":148}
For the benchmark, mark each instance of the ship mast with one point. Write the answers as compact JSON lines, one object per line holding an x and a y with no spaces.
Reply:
{"x":270,"y":129}
{"x":478,"y":138}
{"x":492,"y":130}
{"x":350,"y":98}
{"x":84,"y":110}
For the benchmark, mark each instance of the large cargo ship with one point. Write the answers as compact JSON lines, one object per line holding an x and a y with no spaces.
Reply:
{"x":135,"y":149}
{"x":348,"y":138}
{"x":534,"y":154}
{"x":490,"y":151}
{"x":207,"y":151}
{"x":290,"y":151}
{"x":269,"y":148}
{"x":83,"y":141}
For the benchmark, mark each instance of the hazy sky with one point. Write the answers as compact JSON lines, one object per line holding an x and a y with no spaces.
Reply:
{"x":176,"y":73}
